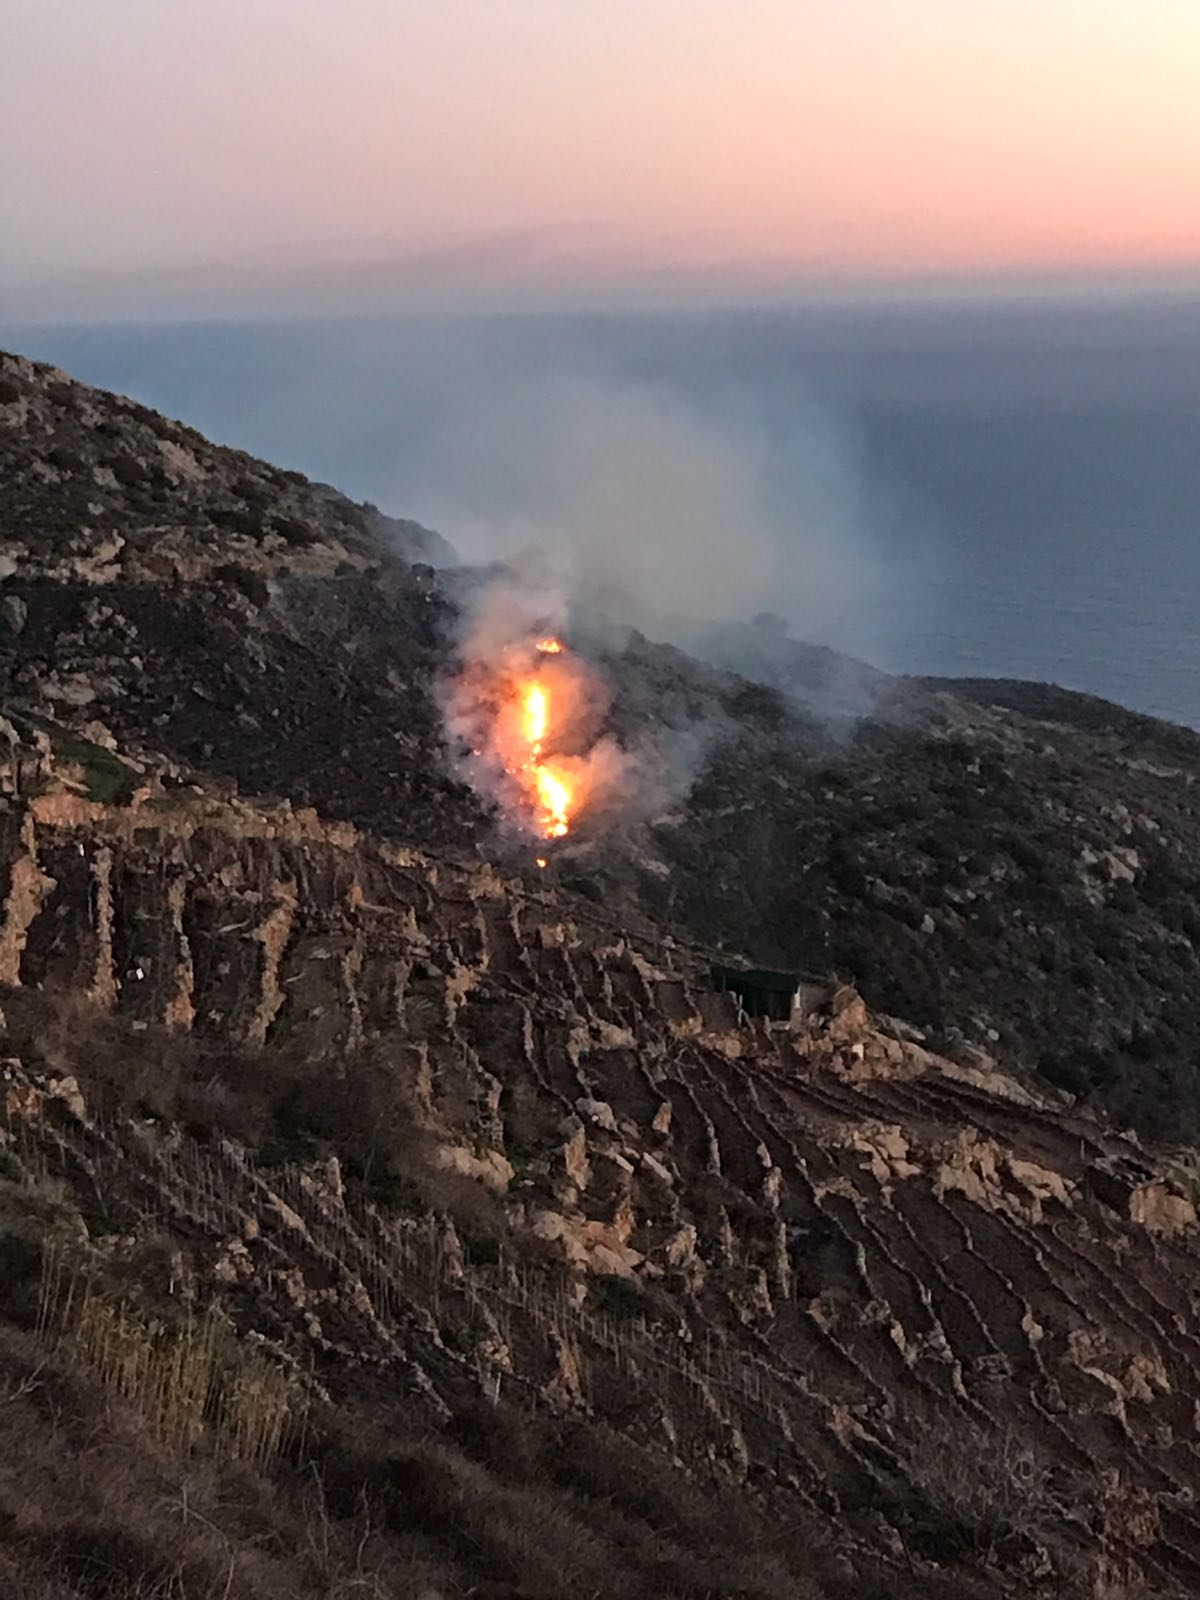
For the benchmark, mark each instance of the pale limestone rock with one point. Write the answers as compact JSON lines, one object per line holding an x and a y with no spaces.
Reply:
{"x":97,"y":733}
{"x":68,"y":1091}
{"x":886,"y":1148}
{"x":1155,"y":1207}
{"x":1042,"y":1183}
{"x":575,"y":1160}
{"x":491,"y":1169}
{"x":682,"y":1257}
{"x":985,"y":1172}
{"x":290,"y":1219}
{"x":181,"y":464}
{"x":655,"y":1167}
{"x":73,"y":690}
{"x":610,"y":1037}
{"x":598,"y":1112}
{"x":849,"y":1015}
{"x":234,"y":1264}
{"x":566,"y":1386}
{"x":618,"y":1160}
{"x":548,"y":1225}
{"x":24,"y":1101}
{"x":590,"y":1245}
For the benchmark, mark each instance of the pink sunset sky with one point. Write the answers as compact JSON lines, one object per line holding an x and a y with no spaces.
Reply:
{"x":354,"y":154}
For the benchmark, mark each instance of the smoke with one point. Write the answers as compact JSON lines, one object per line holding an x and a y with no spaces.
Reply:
{"x":600,"y":505}
{"x":543,"y":763}
{"x":656,"y":514}
{"x":674,"y":475}
{"x":648,"y":514}
{"x":676,"y":470}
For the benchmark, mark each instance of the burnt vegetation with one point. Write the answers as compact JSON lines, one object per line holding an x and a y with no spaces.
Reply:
{"x":380,"y":1216}
{"x":1024,"y":890}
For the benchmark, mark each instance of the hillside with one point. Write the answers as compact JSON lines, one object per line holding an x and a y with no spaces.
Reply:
{"x":180,"y":595}
{"x":382,"y":1215}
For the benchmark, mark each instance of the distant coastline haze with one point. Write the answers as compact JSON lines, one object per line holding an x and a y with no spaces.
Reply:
{"x":290,"y":155}
{"x":1005,"y":491}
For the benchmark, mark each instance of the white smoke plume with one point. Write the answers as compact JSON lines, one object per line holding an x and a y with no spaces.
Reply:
{"x":658,"y":515}
{"x":624,"y":508}
{"x":513,"y":643}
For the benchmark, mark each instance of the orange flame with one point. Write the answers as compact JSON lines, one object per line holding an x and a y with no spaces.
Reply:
{"x":554,"y":801}
{"x":546,"y":786}
{"x":534,"y":709}
{"x":528,"y":710}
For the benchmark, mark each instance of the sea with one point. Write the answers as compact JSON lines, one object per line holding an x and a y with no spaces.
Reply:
{"x":954,"y":489}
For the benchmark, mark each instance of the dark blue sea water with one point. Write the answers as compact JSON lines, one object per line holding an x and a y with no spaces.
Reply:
{"x":955,"y":490}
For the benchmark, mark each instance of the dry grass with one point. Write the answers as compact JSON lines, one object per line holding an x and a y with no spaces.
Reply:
{"x":186,"y":1376}
{"x":981,"y":1496}
{"x":154,"y":1456}
{"x":94,"y":1508}
{"x":165,"y":1373}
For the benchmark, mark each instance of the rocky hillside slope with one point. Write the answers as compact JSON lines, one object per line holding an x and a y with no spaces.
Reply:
{"x":1022,"y":887}
{"x":1011,"y":865}
{"x":427,"y":1222}
{"x":429,"y":1130}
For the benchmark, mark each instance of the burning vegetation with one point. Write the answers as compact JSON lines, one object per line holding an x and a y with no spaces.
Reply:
{"x":531,"y":712}
{"x":549,"y":789}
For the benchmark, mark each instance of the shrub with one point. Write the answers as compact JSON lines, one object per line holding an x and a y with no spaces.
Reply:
{"x":985,"y":1494}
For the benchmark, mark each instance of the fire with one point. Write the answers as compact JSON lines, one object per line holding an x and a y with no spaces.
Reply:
{"x":534,"y":709}
{"x":531,"y":712}
{"x":554,"y":801}
{"x":545,"y":784}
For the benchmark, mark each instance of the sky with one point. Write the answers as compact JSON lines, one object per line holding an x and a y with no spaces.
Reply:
{"x":194,"y":155}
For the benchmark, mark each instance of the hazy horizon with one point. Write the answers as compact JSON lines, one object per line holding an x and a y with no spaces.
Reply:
{"x":961,"y":491}
{"x":286,"y":157}
{"x":968,"y":228}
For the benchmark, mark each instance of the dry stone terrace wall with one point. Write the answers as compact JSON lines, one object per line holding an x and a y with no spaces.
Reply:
{"x":902,"y":1292}
{"x":821,"y":1241}
{"x":249,"y":921}
{"x":227,"y":612}
{"x":1009,"y":864}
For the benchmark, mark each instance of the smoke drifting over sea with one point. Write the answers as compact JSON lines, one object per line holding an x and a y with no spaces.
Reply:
{"x":603,"y":505}
{"x":650,"y":512}
{"x":619,"y":474}
{"x":675,"y":469}
{"x":922,"y":478}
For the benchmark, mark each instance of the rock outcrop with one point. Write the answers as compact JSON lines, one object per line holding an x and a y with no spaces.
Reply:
{"x":850,"y":1231}
{"x":469,"y":1129}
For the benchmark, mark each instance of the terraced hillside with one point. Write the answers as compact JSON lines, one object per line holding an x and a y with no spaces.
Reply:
{"x":1013,"y":866}
{"x":943,"y":1317}
{"x":380,"y":1214}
